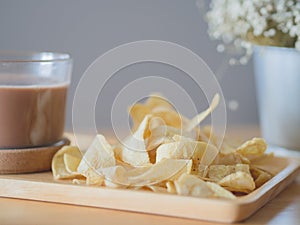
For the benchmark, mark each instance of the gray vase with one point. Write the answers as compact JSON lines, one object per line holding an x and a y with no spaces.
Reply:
{"x":277,"y":74}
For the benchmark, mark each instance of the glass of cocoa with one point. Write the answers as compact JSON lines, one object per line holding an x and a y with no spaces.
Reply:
{"x":33,"y":91}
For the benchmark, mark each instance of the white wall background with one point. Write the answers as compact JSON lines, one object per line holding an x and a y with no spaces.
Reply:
{"x":87,"y":29}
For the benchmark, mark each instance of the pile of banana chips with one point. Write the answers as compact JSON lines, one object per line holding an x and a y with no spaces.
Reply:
{"x":169,"y":153}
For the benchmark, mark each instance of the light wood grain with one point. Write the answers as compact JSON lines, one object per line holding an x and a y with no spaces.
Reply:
{"x":283,"y":209}
{"x":41,"y":186}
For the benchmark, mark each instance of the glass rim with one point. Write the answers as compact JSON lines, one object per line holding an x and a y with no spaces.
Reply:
{"x":11,"y":56}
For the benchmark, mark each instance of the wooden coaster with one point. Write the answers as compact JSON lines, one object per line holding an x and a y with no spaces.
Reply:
{"x":29,"y":160}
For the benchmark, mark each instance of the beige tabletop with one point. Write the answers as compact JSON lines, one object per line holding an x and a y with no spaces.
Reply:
{"x":284,"y":209}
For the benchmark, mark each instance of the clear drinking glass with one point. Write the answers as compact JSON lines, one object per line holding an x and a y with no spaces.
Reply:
{"x":33,"y":90}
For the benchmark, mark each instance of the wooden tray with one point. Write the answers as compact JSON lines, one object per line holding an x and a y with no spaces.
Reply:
{"x":42,"y":187}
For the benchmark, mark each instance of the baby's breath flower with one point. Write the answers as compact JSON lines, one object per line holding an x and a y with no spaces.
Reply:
{"x":220,"y":48}
{"x":242,"y":23}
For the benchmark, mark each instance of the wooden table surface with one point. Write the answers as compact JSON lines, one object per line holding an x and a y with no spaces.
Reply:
{"x":284,"y":209}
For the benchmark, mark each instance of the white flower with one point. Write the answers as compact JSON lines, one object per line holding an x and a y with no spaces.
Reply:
{"x":231,"y":21}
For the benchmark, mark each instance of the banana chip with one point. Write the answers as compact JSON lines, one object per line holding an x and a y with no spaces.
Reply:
{"x":218,"y":172}
{"x":134,"y":150}
{"x":71,"y":162}
{"x":238,"y":182}
{"x":260,"y":177}
{"x":99,"y":155}
{"x":193,"y":186}
{"x":158,"y":107}
{"x":200,"y":117}
{"x":115,"y":174}
{"x":201,"y":153}
{"x":64,"y":167}
{"x":253,"y":148}
{"x":180,"y":150}
{"x":94,"y":178}
{"x":165,"y":134}
{"x":166,"y":169}
{"x":231,"y":159}
{"x":138,"y":113}
{"x":219,"y":191}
